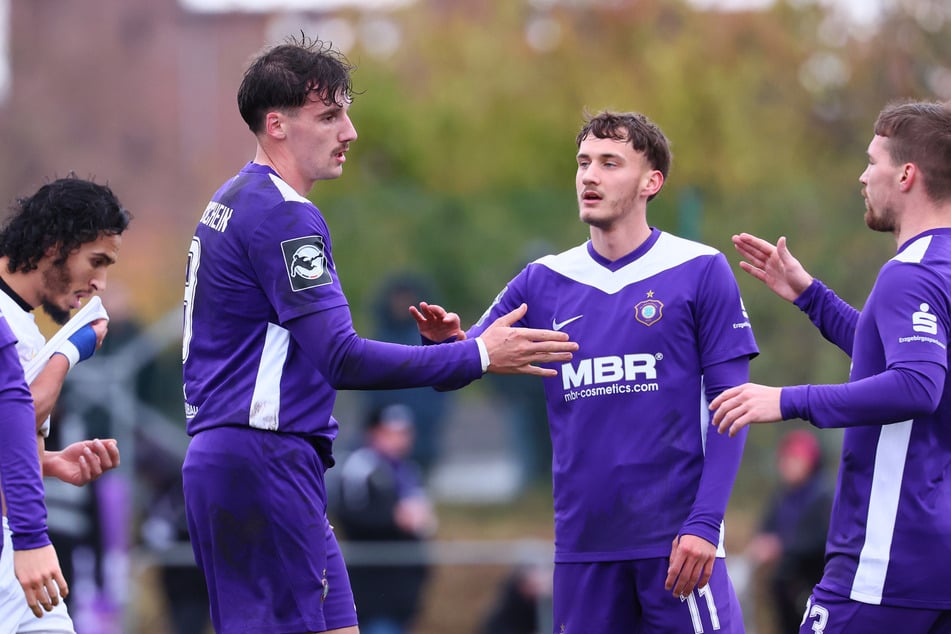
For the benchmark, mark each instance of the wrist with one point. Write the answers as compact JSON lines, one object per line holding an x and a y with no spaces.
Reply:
{"x":70,"y":352}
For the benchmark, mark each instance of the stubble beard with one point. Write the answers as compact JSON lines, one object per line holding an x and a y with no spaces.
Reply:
{"x":56,"y":281}
{"x":883,"y":222}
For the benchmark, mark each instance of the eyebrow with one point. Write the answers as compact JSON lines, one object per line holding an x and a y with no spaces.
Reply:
{"x":603,"y":155}
{"x":105,"y":256}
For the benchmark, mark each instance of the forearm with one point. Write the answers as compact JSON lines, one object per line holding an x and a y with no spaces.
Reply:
{"x":834,"y":318}
{"x":47,"y":386}
{"x":898,"y":394}
{"x":722,"y":456}
{"x":349,"y":361}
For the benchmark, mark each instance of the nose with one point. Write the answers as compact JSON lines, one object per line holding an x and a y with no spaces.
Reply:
{"x":589,"y":175}
{"x":863,"y":177}
{"x":98,"y":281}
{"x":349,"y":132}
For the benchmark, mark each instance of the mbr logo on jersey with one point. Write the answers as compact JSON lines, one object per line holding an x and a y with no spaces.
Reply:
{"x":305,"y":262}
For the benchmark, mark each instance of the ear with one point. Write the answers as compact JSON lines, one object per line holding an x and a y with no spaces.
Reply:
{"x":655,"y":180}
{"x":909,"y":174}
{"x":274,"y":123}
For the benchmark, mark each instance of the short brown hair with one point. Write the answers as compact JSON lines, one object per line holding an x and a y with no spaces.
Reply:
{"x":920,"y":133}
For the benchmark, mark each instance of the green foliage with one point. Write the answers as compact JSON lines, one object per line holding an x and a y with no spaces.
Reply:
{"x":466,"y":158}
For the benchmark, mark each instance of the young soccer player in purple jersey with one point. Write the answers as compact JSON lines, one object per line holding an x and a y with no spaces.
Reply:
{"x":26,"y":548}
{"x":268,"y":339}
{"x":889,"y":544}
{"x":640,"y":479}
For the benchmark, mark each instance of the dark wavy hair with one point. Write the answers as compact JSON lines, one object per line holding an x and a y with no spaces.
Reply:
{"x":63,"y":214}
{"x":643,"y":134}
{"x":283,"y":77}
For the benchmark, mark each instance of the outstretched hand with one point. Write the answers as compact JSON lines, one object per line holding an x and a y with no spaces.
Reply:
{"x":742,"y":405}
{"x":436,"y":324}
{"x":516,"y":350}
{"x":775,"y":266}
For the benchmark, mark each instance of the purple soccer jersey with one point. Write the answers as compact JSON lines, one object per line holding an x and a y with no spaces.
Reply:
{"x":19,"y":465}
{"x":890,"y":535}
{"x":261,"y":257}
{"x":267,"y":341}
{"x":629,"y":423}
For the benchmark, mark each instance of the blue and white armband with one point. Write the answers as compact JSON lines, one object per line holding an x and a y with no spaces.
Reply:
{"x":80,"y":346}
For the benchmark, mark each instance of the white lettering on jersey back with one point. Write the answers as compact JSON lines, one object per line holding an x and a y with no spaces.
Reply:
{"x":266,"y":400}
{"x":669,"y":252}
{"x":216,"y":216}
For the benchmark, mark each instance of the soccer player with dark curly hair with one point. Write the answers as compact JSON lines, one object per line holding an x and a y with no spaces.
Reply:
{"x":55,"y":249}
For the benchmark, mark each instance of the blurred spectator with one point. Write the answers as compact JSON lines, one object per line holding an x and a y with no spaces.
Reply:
{"x":394,"y":323}
{"x":163,"y":529}
{"x":525,"y":406}
{"x":790,"y":546}
{"x":381,"y":500}
{"x":516,"y":607}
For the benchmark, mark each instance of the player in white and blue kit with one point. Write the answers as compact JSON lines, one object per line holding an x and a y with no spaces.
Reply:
{"x":640,"y":479}
{"x":889,"y":544}
{"x":268,"y":340}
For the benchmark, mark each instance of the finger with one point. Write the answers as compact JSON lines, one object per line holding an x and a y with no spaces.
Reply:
{"x":673,"y":570}
{"x":688,"y":578}
{"x":707,"y":573}
{"x":61,"y":583}
{"x":32,"y":601}
{"x":535,"y":370}
{"x":511,"y":317}
{"x":418,"y":316}
{"x":755,"y":271}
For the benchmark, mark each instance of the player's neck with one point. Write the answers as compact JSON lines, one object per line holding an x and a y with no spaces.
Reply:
{"x":20,"y":284}
{"x":616,"y":241}
{"x":928,"y":216}
{"x":284,"y":169}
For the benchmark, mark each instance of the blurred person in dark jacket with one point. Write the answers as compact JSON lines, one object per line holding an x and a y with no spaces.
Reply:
{"x":382,"y":500}
{"x":395,"y":324}
{"x":790,"y":544}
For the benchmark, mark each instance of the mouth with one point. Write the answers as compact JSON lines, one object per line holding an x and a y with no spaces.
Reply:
{"x":590,"y":196}
{"x":341,"y":154}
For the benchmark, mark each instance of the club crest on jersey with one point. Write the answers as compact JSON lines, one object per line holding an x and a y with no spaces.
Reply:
{"x":305,"y":262}
{"x":649,"y":311}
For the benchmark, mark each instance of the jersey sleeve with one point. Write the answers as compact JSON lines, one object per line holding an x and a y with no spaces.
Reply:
{"x":724,"y":328}
{"x":833,"y":316}
{"x":721,"y":457}
{"x":290,"y":253}
{"x":349,"y":361}
{"x":909,"y":311}
{"x":19,"y":465}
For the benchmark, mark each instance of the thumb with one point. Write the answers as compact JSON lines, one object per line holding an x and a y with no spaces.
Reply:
{"x":512,"y":317}
{"x":783,"y":250}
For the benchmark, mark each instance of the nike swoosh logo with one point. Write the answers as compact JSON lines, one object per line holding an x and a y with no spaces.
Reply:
{"x":558,"y":325}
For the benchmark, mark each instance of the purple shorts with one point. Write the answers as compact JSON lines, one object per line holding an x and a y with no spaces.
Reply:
{"x":628,"y":597}
{"x":830,"y":613}
{"x":257,"y":518}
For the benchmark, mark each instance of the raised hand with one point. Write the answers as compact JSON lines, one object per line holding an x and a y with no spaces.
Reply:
{"x":436,"y":324}
{"x":82,"y":462}
{"x":773,"y":265}
{"x":516,"y":350}
{"x":39,"y":574}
